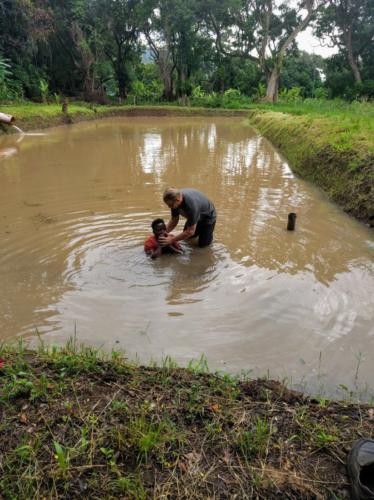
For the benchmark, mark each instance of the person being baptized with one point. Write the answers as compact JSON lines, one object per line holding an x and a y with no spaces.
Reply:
{"x":152,"y":246}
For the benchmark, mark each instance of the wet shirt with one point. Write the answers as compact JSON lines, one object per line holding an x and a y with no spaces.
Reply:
{"x":195,"y":207}
{"x":150,"y":244}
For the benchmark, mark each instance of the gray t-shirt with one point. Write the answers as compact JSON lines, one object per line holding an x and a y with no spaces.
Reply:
{"x":195,"y":207}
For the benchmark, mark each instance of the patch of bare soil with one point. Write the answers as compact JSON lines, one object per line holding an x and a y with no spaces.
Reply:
{"x":73,"y":426}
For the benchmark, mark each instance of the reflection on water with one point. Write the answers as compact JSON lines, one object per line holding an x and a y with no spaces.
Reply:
{"x":77,"y":203}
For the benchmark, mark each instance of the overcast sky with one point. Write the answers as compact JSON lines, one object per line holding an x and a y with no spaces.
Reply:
{"x":306,"y":41}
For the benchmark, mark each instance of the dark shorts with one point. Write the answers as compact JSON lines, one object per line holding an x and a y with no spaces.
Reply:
{"x":204,"y":232}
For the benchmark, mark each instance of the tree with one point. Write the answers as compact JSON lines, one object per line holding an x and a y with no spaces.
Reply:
{"x":259,"y":30}
{"x":160,"y":46}
{"x":24,"y":25}
{"x":349,"y":25}
{"x":173,"y":34}
{"x":301,"y":69}
{"x":119,"y":28}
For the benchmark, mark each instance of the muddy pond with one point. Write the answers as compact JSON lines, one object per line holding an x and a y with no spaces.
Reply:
{"x":76,"y":205}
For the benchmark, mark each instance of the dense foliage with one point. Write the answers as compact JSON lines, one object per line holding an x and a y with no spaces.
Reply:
{"x":201,"y":52}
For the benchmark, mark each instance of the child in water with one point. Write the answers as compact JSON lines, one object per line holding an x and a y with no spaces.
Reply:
{"x":151,"y":244}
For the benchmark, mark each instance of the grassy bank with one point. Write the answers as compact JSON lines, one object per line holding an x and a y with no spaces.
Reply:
{"x":330,"y":146}
{"x":76,"y":425}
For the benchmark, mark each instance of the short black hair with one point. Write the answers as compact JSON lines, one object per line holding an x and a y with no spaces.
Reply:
{"x":156,"y":222}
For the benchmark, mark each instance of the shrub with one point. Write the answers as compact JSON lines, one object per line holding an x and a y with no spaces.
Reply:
{"x":291,"y":95}
{"x":321,"y":93}
{"x":146,"y":92}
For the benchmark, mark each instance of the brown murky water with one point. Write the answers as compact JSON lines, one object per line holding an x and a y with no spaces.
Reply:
{"x":76,"y":205}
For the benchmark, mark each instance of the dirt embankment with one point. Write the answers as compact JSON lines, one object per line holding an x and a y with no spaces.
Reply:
{"x":327,"y":154}
{"x":74,"y":426}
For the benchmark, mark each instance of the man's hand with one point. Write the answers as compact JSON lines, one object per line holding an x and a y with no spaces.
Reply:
{"x":166,"y":240}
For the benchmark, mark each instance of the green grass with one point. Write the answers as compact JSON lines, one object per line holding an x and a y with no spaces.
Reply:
{"x":331,"y":146}
{"x":338,"y":123}
{"x":78,"y":423}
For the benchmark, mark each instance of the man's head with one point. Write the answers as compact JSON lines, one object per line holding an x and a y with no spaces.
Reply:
{"x":173,"y":197}
{"x":158,"y":227}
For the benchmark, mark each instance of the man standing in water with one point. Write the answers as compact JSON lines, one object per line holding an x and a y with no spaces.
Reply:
{"x":197,"y":209}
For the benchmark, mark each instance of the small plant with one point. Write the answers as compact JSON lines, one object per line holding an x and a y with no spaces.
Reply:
{"x":149,"y":436}
{"x":323,"y":401}
{"x":109,"y":455}
{"x":198,"y":92}
{"x":198,"y":366}
{"x":44,"y":89}
{"x":62,"y":456}
{"x":260,"y":92}
{"x":17,"y":388}
{"x":322,"y":439}
{"x":168,"y":363}
{"x":213,"y":430}
{"x":252,"y":443}
{"x":119,"y":406}
{"x":360,"y":359}
{"x":131,"y":485}
{"x":93,"y":420}
{"x":24,"y":452}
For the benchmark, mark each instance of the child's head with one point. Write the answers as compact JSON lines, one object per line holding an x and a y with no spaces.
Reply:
{"x":158,"y":227}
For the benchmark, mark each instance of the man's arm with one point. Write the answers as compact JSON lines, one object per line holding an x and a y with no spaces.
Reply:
{"x":173,"y":222}
{"x":184,"y":235}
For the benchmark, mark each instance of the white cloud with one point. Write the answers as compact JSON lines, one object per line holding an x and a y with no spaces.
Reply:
{"x":309,"y":43}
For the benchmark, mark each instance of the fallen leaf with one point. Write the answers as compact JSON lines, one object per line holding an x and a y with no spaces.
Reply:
{"x":215,"y":408}
{"x":193,"y":457}
{"x":226,"y":456}
{"x":182,"y":466}
{"x":23,"y":418}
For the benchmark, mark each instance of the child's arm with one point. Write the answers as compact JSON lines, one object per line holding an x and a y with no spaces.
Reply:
{"x":176,"y":249}
{"x":155,"y":253}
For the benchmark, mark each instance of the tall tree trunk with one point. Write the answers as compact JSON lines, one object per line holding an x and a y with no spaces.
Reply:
{"x":121,"y":79}
{"x":351,"y":58}
{"x":166,"y":68}
{"x":272,"y":86}
{"x":168,"y":86}
{"x":85,"y":64}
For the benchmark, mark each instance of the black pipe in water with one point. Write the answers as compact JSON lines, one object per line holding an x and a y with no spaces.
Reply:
{"x":291,"y":221}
